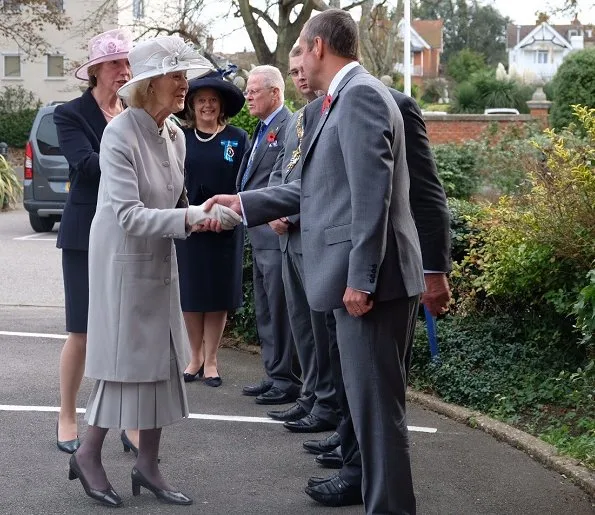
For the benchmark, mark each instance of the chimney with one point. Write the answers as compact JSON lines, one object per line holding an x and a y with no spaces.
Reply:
{"x":518,"y":34}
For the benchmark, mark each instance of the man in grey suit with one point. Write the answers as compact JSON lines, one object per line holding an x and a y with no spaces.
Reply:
{"x":316,"y":408}
{"x":265,"y":95}
{"x":430,"y":210}
{"x":361,"y":252}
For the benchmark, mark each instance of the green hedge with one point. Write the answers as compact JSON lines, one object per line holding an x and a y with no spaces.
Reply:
{"x":15,"y":127}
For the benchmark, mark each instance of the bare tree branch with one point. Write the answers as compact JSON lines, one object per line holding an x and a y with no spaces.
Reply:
{"x":266,"y":18}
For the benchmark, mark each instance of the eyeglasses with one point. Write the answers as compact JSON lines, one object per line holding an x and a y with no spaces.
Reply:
{"x":254,"y":92}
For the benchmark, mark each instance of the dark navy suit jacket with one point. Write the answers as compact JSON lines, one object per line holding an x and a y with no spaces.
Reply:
{"x":80,"y":125}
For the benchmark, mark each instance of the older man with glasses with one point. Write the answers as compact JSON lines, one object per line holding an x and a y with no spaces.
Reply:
{"x":264,"y":96}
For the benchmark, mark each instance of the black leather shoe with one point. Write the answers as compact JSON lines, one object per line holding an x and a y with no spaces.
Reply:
{"x":167,"y":496}
{"x":213,"y":381}
{"x":128,"y":445}
{"x":327,"y":444}
{"x":315,"y":480}
{"x":68,"y":446}
{"x":188,"y":378}
{"x":108,"y":496}
{"x":294,"y":413}
{"x":309,"y":424}
{"x":335,"y":492}
{"x":257,"y":389}
{"x":275,"y":396}
{"x":331,"y":460}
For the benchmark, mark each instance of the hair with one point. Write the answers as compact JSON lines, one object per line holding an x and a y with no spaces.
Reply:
{"x":139,"y":94}
{"x":272,"y":77}
{"x":337,"y":29}
{"x":92,"y":73}
{"x":190,"y":115}
{"x":296,"y":51}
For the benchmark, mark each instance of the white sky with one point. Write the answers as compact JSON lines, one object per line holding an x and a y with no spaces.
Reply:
{"x":231,"y":37}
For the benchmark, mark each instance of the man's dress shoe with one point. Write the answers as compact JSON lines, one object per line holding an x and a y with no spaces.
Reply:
{"x":309,"y":424}
{"x":325,"y":445}
{"x":295,"y":412}
{"x":331,"y":460}
{"x":275,"y":396}
{"x":315,"y":480}
{"x":335,"y":492}
{"x":257,"y":389}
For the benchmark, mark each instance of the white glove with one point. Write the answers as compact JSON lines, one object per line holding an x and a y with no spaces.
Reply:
{"x":227,"y":217}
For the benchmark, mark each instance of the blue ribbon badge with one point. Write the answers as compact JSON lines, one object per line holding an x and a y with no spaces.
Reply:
{"x":228,"y":149}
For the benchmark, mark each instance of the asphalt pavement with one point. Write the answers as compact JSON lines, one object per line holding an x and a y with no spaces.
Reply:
{"x":229,"y":456}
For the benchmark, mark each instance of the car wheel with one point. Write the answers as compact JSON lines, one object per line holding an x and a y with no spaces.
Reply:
{"x":41,"y":224}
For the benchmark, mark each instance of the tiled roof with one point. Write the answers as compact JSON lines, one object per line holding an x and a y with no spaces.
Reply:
{"x":514,"y":35}
{"x":430,"y":30}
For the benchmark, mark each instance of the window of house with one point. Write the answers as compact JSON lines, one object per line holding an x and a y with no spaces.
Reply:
{"x":542,"y":57}
{"x":58,"y":5}
{"x":55,"y":66}
{"x":138,"y":9}
{"x":12,"y":66}
{"x":11,"y":6}
{"x":589,"y":33}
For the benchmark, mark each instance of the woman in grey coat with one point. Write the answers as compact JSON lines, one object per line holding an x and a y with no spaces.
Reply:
{"x":136,"y":340}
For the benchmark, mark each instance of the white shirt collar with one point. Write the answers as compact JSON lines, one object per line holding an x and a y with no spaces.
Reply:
{"x":340,"y":76}
{"x":270,"y":117}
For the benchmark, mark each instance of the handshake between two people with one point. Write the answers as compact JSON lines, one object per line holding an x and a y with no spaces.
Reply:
{"x":219,"y":213}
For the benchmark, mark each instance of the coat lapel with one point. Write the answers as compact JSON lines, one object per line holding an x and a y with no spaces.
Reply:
{"x":90,"y":110}
{"x":324,"y":117}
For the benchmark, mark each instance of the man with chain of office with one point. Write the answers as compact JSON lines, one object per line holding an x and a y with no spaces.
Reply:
{"x":316,"y":408}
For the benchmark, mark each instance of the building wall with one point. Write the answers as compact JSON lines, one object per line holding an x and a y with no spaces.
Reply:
{"x":71,"y":43}
{"x":458,"y":128}
{"x":524,"y":62}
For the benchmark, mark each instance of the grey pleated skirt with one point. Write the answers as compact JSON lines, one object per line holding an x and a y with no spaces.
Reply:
{"x":139,"y":405}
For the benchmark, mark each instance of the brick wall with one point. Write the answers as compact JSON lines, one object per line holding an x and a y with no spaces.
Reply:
{"x":457,"y":128}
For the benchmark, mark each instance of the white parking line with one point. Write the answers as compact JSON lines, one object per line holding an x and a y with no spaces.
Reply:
{"x":196,"y":416}
{"x":33,"y":237}
{"x":34,"y":335}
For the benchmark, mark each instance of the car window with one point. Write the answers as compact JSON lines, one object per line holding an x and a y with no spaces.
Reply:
{"x":47,"y":136}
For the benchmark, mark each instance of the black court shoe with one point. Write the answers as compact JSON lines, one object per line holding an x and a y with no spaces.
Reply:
{"x":129,"y":446}
{"x":68,"y":446}
{"x":167,"y":496}
{"x":108,"y":496}
{"x":188,"y":378}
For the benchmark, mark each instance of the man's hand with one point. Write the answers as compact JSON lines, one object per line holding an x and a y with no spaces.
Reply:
{"x":279,"y":226}
{"x":437,"y":296}
{"x":357,"y":302}
{"x":230,"y":201}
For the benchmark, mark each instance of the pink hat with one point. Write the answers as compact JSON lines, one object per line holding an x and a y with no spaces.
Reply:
{"x":107,"y":46}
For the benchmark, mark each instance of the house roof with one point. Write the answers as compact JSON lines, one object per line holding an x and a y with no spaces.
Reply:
{"x":516,"y":33}
{"x":430,"y":31}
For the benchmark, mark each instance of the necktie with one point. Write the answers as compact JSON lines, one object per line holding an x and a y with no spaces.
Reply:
{"x":259,"y":135}
{"x":326,"y":103}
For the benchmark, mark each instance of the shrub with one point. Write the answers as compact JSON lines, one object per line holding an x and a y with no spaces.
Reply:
{"x":573,"y":84}
{"x":434,"y":90}
{"x":457,"y":168}
{"x":483,"y":90}
{"x":10,"y":187}
{"x":463,"y":64}
{"x":17,"y":112}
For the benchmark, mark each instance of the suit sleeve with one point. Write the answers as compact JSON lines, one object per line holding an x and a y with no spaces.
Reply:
{"x":121,"y":182}
{"x":75,"y":144}
{"x":366,"y":144}
{"x":267,"y":204}
{"x":426,"y":194}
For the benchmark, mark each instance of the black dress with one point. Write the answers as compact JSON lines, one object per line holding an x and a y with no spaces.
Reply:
{"x":210,"y":264}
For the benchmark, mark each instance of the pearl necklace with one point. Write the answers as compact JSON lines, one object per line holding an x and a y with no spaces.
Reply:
{"x":206,"y":140}
{"x":109,"y":114}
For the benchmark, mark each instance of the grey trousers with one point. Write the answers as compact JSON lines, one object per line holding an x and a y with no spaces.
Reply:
{"x":374,"y":351}
{"x":311,"y":341}
{"x":272,"y":320}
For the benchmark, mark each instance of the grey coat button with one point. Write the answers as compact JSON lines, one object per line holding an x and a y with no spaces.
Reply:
{"x":165,"y":163}
{"x":167,"y":258}
{"x":170,"y":187}
{"x":167,"y":280}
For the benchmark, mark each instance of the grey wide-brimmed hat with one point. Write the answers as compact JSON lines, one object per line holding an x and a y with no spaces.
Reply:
{"x":162,"y":55}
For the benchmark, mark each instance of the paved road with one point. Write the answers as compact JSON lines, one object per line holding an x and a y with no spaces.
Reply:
{"x":228,"y":466}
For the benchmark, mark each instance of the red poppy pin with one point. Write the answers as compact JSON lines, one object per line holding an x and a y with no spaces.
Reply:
{"x":271,"y":138}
